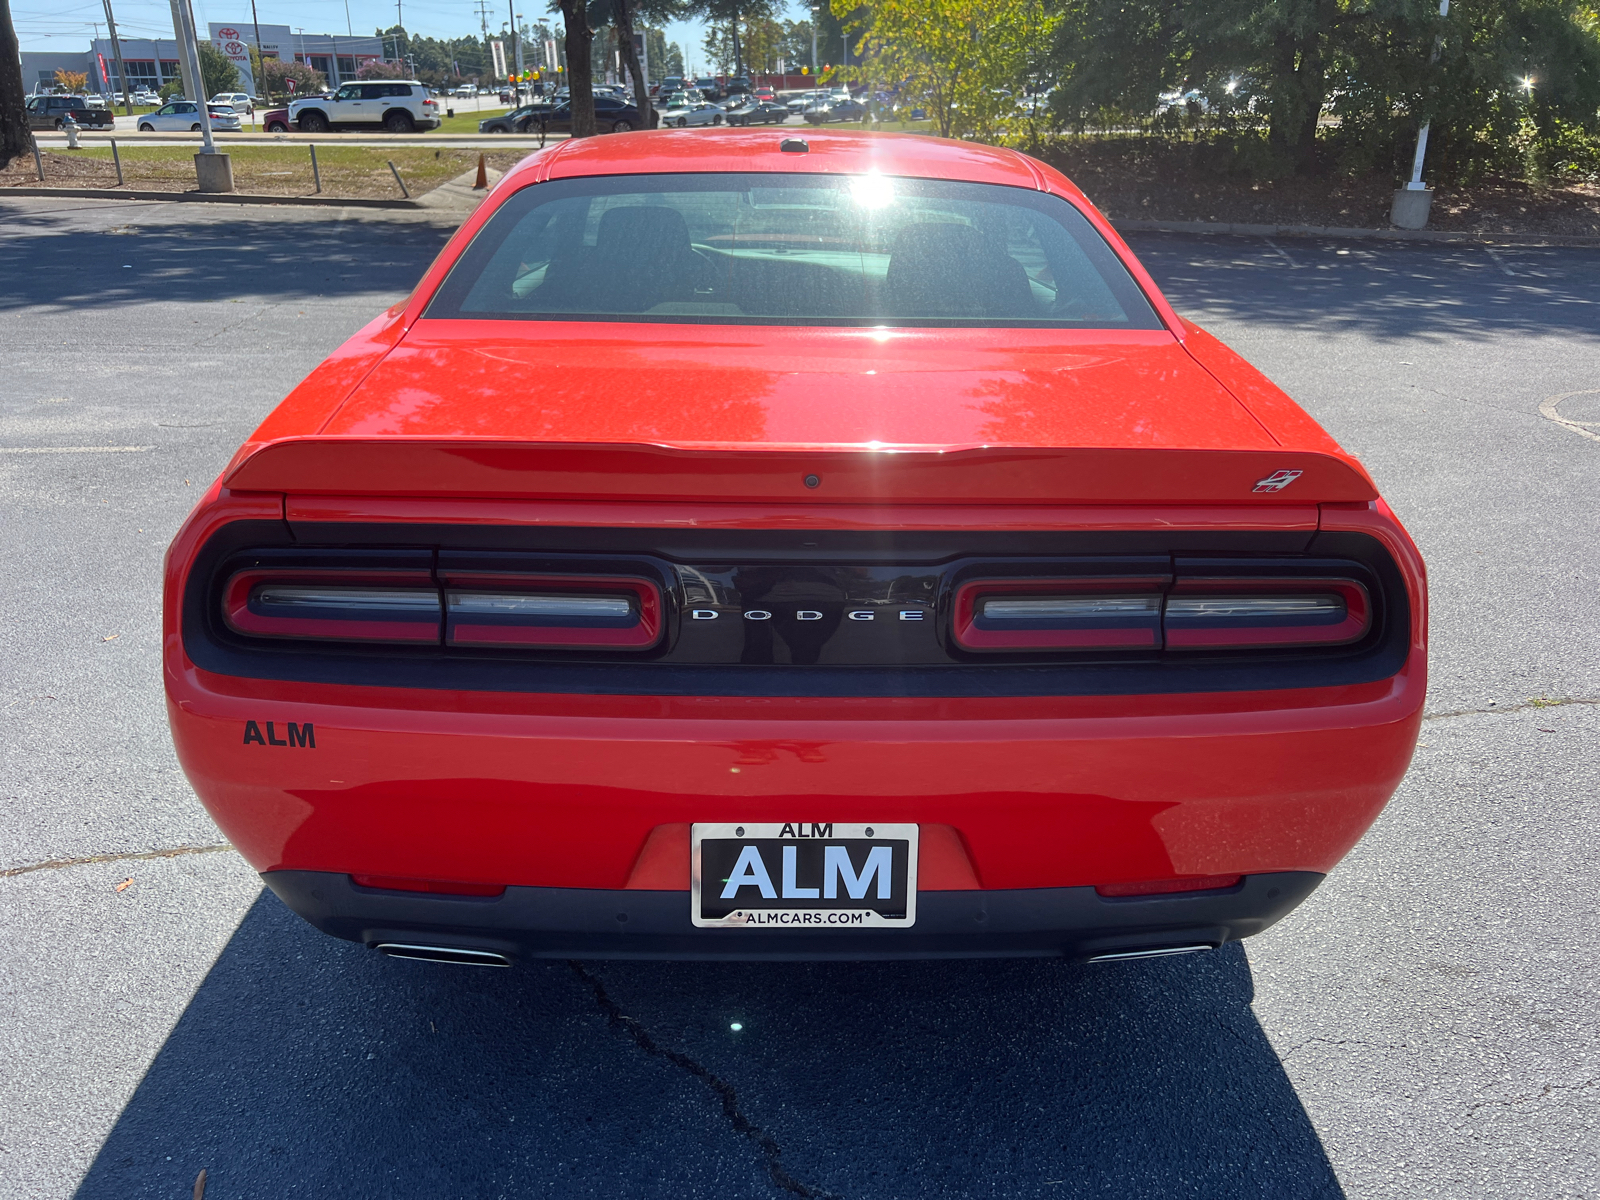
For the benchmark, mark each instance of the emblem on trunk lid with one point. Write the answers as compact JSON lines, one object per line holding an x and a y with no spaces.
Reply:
{"x":1277,"y":481}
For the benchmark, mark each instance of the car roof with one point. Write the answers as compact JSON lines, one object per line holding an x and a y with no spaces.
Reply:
{"x":842,"y":153}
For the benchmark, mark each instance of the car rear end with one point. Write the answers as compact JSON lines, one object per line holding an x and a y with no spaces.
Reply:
{"x":819,"y":670}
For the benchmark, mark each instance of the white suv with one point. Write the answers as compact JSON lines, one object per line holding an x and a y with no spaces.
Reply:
{"x":398,"y":105}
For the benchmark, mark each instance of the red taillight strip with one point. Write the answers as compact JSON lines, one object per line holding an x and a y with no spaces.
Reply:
{"x":1111,"y":613}
{"x":1232,"y":613}
{"x":366,"y":606}
{"x":552,"y":611}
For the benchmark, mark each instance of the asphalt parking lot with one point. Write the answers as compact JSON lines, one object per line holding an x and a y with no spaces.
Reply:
{"x":1425,"y":1026}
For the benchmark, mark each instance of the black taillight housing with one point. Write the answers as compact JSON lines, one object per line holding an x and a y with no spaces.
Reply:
{"x":1202,"y":605}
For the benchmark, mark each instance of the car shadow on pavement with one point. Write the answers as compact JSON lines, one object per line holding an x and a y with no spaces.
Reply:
{"x":307,"y":1066}
{"x":136,"y":259}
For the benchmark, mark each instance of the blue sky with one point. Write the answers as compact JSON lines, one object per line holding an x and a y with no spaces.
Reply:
{"x":67,"y":25}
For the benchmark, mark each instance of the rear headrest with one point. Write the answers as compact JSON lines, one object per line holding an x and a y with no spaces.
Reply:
{"x":642,"y":232}
{"x":945,"y":269}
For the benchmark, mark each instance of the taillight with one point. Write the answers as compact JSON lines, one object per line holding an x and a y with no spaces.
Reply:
{"x":1230,"y":613}
{"x":1057,"y":614}
{"x":552,"y":612}
{"x":1225,"y":612}
{"x":400,"y":606}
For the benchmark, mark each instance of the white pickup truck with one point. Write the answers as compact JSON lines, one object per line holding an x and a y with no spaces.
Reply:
{"x":398,"y":105}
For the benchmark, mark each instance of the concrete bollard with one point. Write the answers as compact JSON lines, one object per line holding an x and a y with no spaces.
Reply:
{"x":214,"y":172}
{"x":1410,"y":208}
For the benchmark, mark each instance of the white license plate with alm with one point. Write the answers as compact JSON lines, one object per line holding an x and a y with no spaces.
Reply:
{"x":803,"y":875}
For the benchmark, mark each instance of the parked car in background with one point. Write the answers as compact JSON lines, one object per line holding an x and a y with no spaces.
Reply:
{"x":668,"y":85}
{"x":240,"y":102}
{"x":848,"y":109}
{"x":518,"y":120}
{"x":756,"y":112}
{"x":692,"y":112}
{"x":708,"y":87}
{"x":465,"y":92}
{"x":51,"y":112}
{"x":765,"y":93}
{"x":610,"y":116}
{"x":183,"y":116}
{"x":798,"y":104}
{"x":398,"y":105}
{"x":146,"y":98}
{"x":276,"y":121}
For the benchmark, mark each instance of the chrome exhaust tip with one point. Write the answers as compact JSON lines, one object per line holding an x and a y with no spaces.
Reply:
{"x":1153,"y":952}
{"x":445,"y":954}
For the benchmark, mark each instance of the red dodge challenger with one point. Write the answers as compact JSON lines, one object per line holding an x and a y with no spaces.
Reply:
{"x":770,"y":548}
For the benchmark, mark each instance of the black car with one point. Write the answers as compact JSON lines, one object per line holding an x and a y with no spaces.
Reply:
{"x":610,"y":116}
{"x":518,"y":120}
{"x":757,"y":112}
{"x":837,"y":110}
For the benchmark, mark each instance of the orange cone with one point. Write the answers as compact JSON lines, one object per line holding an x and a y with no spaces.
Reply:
{"x":483,"y":176}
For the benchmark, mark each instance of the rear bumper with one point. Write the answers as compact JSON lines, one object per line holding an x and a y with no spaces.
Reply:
{"x":541,"y":922}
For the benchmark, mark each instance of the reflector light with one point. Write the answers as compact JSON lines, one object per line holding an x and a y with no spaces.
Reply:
{"x":355,"y":608}
{"x":438,"y":887}
{"x":1166,"y":887}
{"x":604,"y":613}
{"x":1220,"y":614}
{"x":1070,"y":614}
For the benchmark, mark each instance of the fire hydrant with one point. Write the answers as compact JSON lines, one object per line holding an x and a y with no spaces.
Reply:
{"x":70,"y":128}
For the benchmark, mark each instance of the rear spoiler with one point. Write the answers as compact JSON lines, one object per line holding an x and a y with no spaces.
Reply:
{"x":976,"y":475}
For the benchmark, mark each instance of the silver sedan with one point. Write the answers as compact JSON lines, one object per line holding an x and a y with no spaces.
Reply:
{"x":178,"y":115}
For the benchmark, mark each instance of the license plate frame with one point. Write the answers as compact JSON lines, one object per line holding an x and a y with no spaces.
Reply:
{"x":718,"y":847}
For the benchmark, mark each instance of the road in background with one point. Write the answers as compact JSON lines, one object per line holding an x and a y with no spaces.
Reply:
{"x":1426,"y":1025}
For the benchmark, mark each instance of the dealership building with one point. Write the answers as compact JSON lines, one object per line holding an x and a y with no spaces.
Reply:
{"x":152,"y":62}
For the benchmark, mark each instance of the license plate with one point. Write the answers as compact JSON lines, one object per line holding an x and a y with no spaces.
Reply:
{"x":816,"y":875}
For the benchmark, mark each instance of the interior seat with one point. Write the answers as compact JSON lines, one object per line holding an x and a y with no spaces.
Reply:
{"x":943,"y":269}
{"x":642,"y":257}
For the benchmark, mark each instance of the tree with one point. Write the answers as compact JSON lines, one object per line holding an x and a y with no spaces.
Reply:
{"x":953,"y":57}
{"x":275,"y":76}
{"x":580,"y":72}
{"x":217,"y":74}
{"x":622,"y":9}
{"x":379,"y":69}
{"x":71,"y":82}
{"x":15,"y":136}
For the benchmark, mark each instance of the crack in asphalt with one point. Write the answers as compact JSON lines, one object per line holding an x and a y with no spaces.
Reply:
{"x":742,"y":1124}
{"x":55,"y":864}
{"x":1540,"y":702}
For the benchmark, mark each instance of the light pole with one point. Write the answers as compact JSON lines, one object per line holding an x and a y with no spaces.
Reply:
{"x":1412,"y":202}
{"x":814,"y":11}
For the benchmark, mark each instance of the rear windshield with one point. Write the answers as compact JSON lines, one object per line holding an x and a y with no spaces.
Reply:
{"x":763,"y":249}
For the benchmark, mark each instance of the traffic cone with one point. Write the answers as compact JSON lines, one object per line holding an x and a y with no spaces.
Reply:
{"x":483,"y":176}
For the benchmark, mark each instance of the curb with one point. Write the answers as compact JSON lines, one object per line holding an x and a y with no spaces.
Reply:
{"x":1333,"y":231}
{"x":211,"y":197}
{"x":1190,"y":227}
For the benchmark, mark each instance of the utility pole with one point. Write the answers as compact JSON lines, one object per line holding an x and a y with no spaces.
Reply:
{"x":483,"y":18}
{"x":260,"y":58}
{"x":516,"y":42}
{"x":1412,"y":202}
{"x":814,"y":12}
{"x":116,"y":53}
